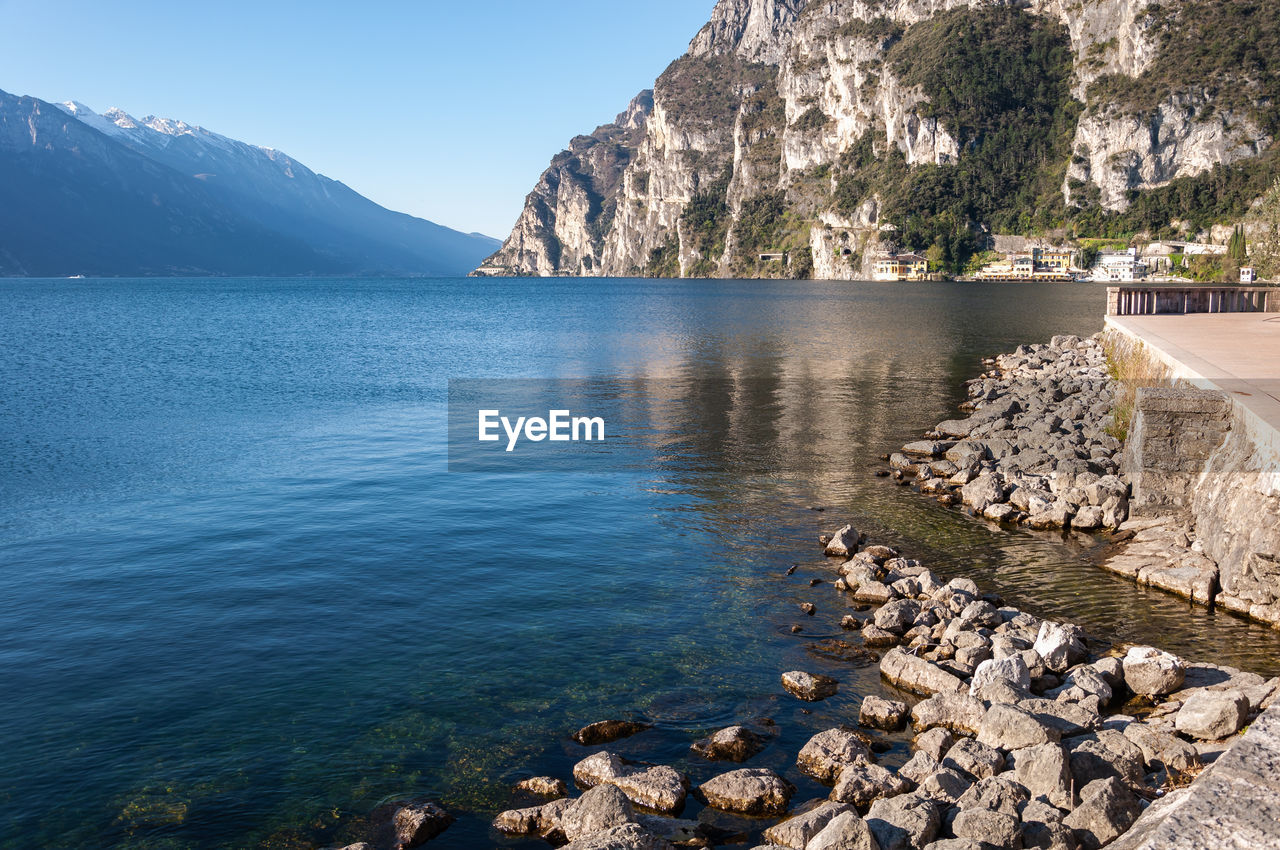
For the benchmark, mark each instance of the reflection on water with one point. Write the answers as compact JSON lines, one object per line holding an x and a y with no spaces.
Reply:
{"x":245,"y":600}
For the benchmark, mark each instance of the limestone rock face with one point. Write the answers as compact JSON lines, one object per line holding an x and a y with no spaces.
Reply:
{"x":773,"y":93}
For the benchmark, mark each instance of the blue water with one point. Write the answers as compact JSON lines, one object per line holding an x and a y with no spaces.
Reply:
{"x":243,"y":599}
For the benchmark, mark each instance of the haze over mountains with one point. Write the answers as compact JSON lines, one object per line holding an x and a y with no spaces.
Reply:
{"x":83,"y":193}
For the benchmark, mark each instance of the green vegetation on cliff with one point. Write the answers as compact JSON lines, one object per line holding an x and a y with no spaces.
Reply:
{"x":998,"y":80}
{"x":1220,"y":53}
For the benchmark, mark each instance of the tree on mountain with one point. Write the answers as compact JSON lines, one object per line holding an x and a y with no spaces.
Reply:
{"x":1266,"y":226}
{"x":1236,"y":246}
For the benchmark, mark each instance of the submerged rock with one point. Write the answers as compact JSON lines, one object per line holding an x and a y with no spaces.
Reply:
{"x":735,"y":743}
{"x":419,"y":822}
{"x":608,"y":731}
{"x":810,"y":687}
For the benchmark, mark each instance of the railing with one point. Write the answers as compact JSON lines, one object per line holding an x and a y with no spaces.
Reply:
{"x":1152,"y":300}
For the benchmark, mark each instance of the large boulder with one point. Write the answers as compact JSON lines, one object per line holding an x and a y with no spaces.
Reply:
{"x":1152,"y":672}
{"x":982,"y":491}
{"x":798,"y":831}
{"x":912,"y":673}
{"x":974,"y":758}
{"x":843,"y":543}
{"x":860,"y":784}
{"x":748,"y":791}
{"x":1060,"y":645}
{"x":992,"y":828}
{"x":734,"y":743}
{"x":995,"y":794}
{"x":827,"y":753}
{"x":628,"y":836}
{"x":1007,"y":727}
{"x":1107,"y":808}
{"x":600,"y":808}
{"x":1010,"y":669}
{"x":418,"y":822}
{"x":1045,"y":771}
{"x":1161,"y":749}
{"x":879,"y":713}
{"x":956,"y":712}
{"x":810,"y":687}
{"x":904,"y":822}
{"x":846,"y":831}
{"x":1212,"y":715}
{"x":608,"y":731}
{"x":660,"y":788}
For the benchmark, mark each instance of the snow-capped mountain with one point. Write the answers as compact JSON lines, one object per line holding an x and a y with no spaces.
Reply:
{"x":257,"y":193}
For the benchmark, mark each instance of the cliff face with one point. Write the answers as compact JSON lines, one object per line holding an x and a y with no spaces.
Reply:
{"x":831,"y":130}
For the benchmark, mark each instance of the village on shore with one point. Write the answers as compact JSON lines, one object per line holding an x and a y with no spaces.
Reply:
{"x":1015,"y":258}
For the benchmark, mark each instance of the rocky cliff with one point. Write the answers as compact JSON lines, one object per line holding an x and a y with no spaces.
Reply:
{"x":828,"y":131}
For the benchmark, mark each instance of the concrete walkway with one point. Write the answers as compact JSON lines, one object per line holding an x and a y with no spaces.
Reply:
{"x":1238,"y":353}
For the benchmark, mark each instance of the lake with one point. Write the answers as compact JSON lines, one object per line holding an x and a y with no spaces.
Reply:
{"x":245,"y":597}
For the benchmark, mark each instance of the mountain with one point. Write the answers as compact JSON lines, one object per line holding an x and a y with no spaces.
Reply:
{"x":82,"y":193}
{"x":834,"y":131}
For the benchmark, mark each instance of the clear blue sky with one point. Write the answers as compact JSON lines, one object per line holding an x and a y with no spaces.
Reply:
{"x":446,"y":110}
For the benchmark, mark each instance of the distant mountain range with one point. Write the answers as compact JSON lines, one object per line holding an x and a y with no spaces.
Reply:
{"x":83,"y":193}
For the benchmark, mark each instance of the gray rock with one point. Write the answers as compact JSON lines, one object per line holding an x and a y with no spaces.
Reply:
{"x":957,"y":712}
{"x":543,"y":786}
{"x":1107,"y":808}
{"x":996,"y":794}
{"x":600,"y":808}
{"x":904,"y":822}
{"x":629,"y":836}
{"x":748,"y":791}
{"x":534,"y":820}
{"x":1212,"y":715}
{"x":418,"y":822}
{"x":874,"y":636}
{"x":1060,"y":645}
{"x":660,"y":788}
{"x":1069,"y":718}
{"x":995,"y":828}
{"x":983,"y":491}
{"x":827,"y":753}
{"x":874,"y":592}
{"x":1152,"y":672}
{"x":958,"y":844}
{"x":846,"y":831}
{"x":607,"y":731}
{"x":935,"y":742}
{"x":1045,"y":771}
{"x":946,"y":786}
{"x":974,"y":758}
{"x":860,"y":784}
{"x":810,"y":687}
{"x":919,"y":767}
{"x":879,"y":713}
{"x":734,"y":743}
{"x":1012,"y":670}
{"x":897,"y":616}
{"x":1037,"y":835}
{"x":1008,"y":727}
{"x":796,"y":832}
{"x":1161,"y":749}
{"x":1104,"y":755}
{"x":843,"y":543}
{"x":917,"y":675}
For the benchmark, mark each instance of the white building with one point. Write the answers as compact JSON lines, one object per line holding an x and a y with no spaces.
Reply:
{"x":1120,"y":266}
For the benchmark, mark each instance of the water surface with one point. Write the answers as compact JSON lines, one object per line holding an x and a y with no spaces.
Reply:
{"x":243,"y":600}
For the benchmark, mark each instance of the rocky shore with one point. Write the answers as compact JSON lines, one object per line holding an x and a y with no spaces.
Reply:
{"x":1023,"y":738}
{"x":1037,"y":447}
{"x":1025,"y":733}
